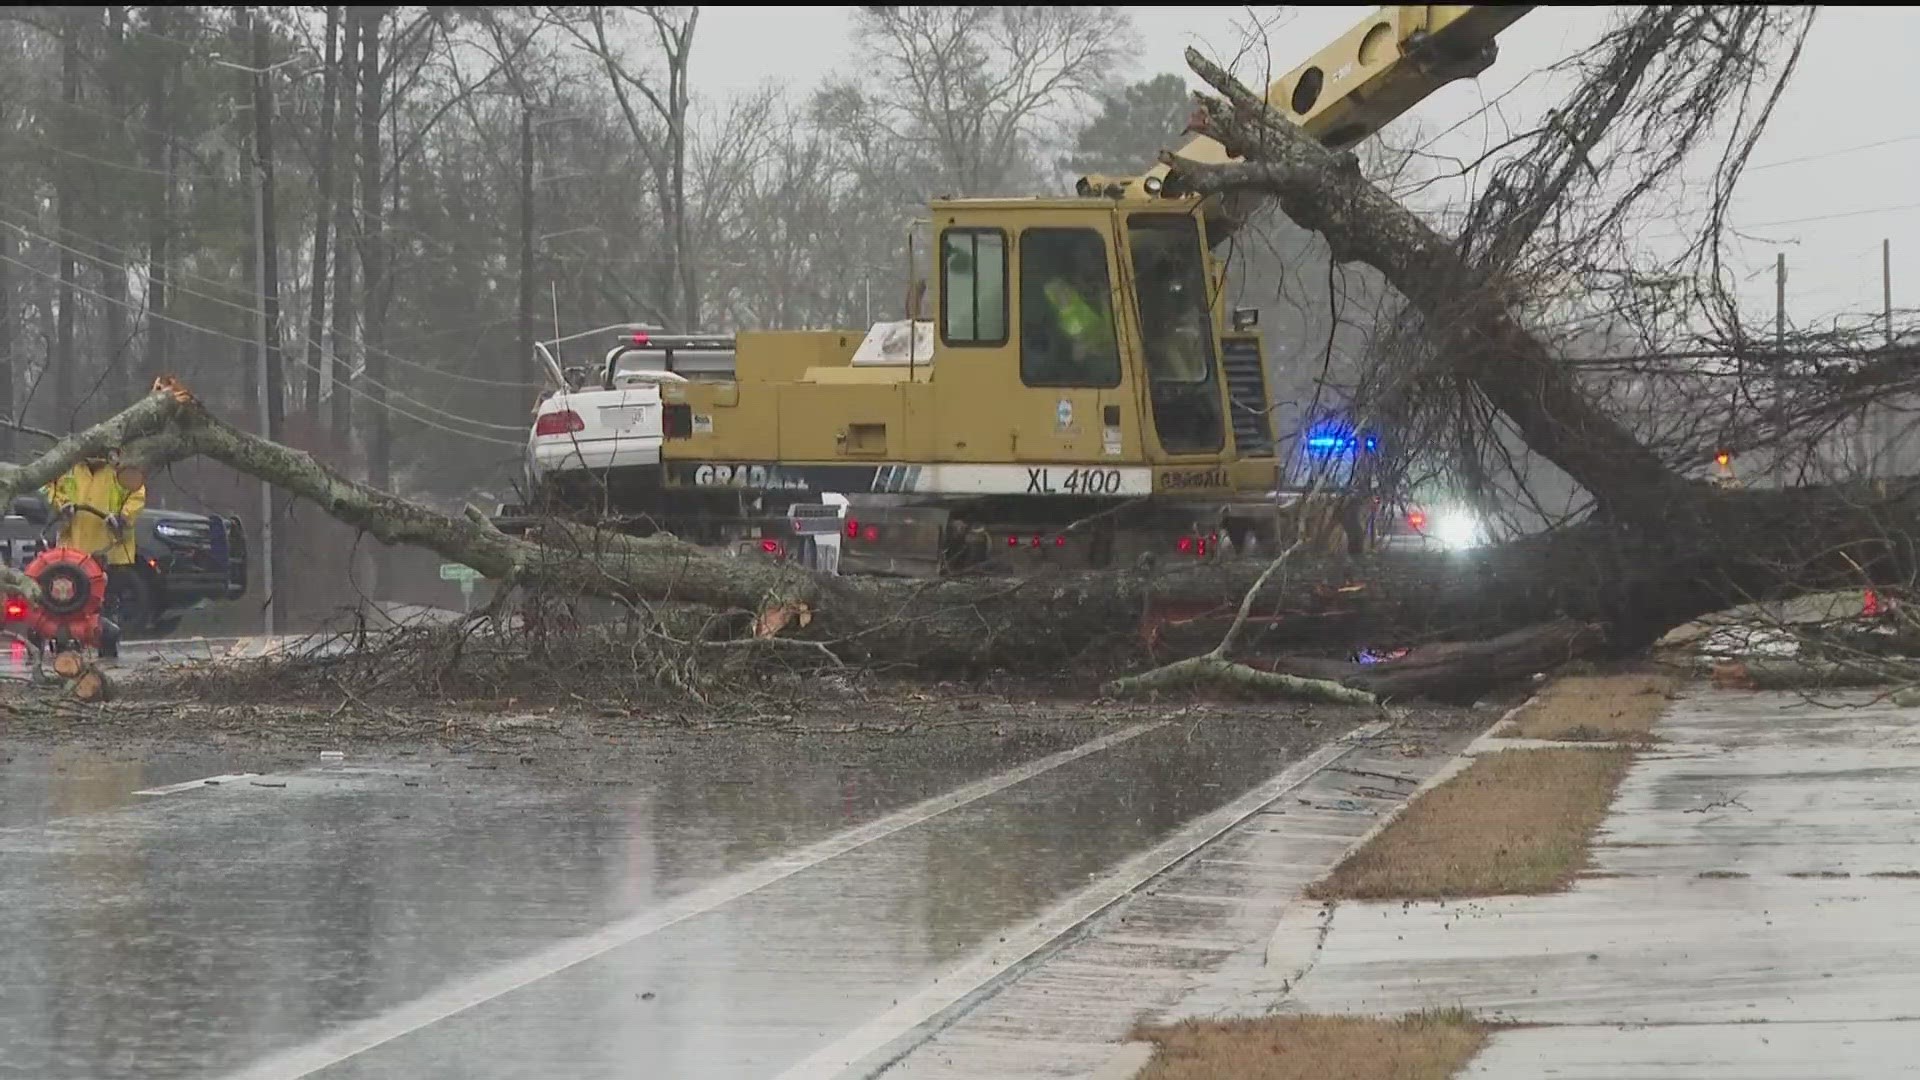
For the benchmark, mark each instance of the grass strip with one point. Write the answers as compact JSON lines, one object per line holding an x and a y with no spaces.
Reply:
{"x":1430,"y":1045}
{"x":1598,"y":708}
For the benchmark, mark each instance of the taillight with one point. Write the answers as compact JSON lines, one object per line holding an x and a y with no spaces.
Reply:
{"x":872,"y":533}
{"x":853,"y":529}
{"x":773,"y":548}
{"x":559,"y":423}
{"x":1013,"y":541}
{"x":1869,"y":604}
{"x":1185,"y":544}
{"x":16,"y":609}
{"x":1059,"y":541}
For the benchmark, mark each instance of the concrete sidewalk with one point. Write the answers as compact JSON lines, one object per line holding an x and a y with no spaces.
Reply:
{"x":1754,"y":912}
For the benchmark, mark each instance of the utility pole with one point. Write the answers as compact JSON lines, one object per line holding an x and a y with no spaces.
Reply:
{"x":525,"y":313}
{"x":1779,"y":327}
{"x":1886,"y":289}
{"x":1780,"y":303}
{"x":267,"y":315}
{"x":1875,"y":418}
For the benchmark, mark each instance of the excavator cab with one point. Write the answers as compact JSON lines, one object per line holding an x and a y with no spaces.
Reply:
{"x":1177,"y":344}
{"x":1093,"y":327}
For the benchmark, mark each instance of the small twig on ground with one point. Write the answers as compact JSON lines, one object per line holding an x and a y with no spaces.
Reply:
{"x":1717,"y":804}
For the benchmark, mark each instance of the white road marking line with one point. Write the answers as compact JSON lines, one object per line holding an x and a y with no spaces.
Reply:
{"x":865,"y":1046}
{"x":189,"y":785}
{"x":357,"y":1038}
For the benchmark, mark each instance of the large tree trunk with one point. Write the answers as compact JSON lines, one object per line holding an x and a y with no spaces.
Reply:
{"x":67,"y":217}
{"x":7,"y":338}
{"x":322,"y":222}
{"x":118,"y":379}
{"x":340,"y":410}
{"x":159,"y":154}
{"x":373,"y":257}
{"x":1467,"y":314}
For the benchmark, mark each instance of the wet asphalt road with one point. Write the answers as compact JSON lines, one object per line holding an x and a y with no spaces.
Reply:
{"x":720,"y":916}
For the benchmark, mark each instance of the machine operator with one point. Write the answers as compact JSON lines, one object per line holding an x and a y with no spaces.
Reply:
{"x":96,"y":482}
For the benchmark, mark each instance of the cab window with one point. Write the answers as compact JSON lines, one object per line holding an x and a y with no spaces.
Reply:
{"x":1066,"y":310}
{"x":973,"y":287}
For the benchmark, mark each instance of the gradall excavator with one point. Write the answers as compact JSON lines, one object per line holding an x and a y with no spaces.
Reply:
{"x":1075,"y":393}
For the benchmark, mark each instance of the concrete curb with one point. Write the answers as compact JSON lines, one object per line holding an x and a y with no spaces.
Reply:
{"x":1485,"y":741}
{"x":1125,"y":1063}
{"x":1131,"y":1057}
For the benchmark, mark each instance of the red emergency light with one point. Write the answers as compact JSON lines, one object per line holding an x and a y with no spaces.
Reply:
{"x":641,"y":340}
{"x":16,"y":609}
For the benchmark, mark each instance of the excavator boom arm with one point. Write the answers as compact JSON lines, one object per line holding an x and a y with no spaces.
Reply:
{"x":1371,"y":75}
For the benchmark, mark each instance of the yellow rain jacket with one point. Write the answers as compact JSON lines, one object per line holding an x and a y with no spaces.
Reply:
{"x":101,"y":489}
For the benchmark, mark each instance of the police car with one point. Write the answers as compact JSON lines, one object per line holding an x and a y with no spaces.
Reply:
{"x":182,"y":560}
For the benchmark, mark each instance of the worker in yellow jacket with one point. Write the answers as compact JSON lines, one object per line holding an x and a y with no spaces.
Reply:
{"x":97,"y":483}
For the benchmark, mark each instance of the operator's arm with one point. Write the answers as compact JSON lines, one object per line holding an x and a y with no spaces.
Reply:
{"x":130,"y":508}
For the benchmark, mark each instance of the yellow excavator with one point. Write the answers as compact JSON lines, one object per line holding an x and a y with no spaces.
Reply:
{"x":1073,"y":392}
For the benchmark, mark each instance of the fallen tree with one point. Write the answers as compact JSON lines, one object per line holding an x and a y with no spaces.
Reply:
{"x":1595,"y":588}
{"x":1659,"y":550}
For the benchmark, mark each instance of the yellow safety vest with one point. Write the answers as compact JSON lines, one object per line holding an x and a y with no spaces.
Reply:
{"x":1078,"y":318}
{"x":100,"y":489}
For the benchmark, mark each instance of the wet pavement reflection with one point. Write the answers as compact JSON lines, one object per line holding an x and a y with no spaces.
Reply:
{"x":198,"y":932}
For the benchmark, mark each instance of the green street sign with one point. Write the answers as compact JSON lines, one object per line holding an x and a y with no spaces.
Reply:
{"x":466,"y":576}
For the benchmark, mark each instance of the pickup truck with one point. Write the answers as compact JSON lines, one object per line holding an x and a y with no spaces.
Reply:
{"x":181,"y":561}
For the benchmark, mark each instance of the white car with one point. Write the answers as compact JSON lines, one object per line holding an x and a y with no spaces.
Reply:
{"x":596,"y":429}
{"x":620,"y":421}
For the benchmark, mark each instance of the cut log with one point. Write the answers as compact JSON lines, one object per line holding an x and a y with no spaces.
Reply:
{"x":91,"y":685}
{"x":1461,"y":672}
{"x":68,"y":664}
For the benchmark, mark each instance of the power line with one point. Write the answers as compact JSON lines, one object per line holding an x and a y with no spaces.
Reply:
{"x":351,"y":388}
{"x":1835,"y":153}
{"x":1830,"y":217}
{"x":175,"y":276}
{"x":299,"y":336}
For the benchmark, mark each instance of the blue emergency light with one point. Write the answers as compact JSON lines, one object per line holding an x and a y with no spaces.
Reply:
{"x":1328,"y":440}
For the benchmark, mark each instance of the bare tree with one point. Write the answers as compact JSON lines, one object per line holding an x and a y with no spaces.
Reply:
{"x":323,"y":215}
{"x":661,"y":132}
{"x":159,"y":142}
{"x":971,"y":90}
{"x":72,"y":24}
{"x":340,"y":337}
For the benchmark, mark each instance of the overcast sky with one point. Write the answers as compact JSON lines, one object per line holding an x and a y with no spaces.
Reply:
{"x":1815,"y":163}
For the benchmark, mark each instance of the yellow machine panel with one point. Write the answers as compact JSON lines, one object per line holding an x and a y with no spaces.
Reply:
{"x":780,"y":356}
